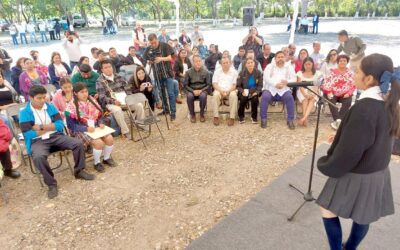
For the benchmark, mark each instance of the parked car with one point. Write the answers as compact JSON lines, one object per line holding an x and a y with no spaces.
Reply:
{"x":4,"y":26}
{"x":77,"y":20}
{"x":128,"y":21}
{"x":94,"y":22}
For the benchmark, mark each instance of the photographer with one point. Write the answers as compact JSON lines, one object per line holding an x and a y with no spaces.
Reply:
{"x":253,"y":41}
{"x":72,"y":46}
{"x":159,"y":56}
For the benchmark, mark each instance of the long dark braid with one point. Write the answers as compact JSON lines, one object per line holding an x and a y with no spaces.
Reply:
{"x":78,"y":87}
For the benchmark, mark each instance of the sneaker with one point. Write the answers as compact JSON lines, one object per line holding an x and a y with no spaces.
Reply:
{"x":12,"y":173}
{"x":335,"y":125}
{"x":216,"y":121}
{"x":84,"y":175}
{"x":263,"y":123}
{"x":254,"y":121}
{"x":241,"y":120}
{"x":53,"y":192}
{"x":110,"y":162}
{"x":231,"y":122}
{"x":291,"y":125}
{"x":99,"y":167}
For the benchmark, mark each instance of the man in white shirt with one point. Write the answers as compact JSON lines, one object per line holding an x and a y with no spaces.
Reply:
{"x":316,"y":56}
{"x":276,"y":77}
{"x":21,"y":27}
{"x":224,"y":83}
{"x":42,"y":29}
{"x":72,"y":45}
{"x":30,"y":27}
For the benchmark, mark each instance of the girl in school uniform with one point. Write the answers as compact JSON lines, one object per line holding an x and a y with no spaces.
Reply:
{"x":359,"y":185}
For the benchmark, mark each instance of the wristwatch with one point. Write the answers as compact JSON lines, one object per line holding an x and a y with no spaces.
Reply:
{"x":41,"y":126}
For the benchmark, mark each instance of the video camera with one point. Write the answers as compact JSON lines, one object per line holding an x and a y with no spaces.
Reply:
{"x":153,"y":53}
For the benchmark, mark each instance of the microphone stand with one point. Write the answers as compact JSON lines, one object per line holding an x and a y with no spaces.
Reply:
{"x":308,"y":197}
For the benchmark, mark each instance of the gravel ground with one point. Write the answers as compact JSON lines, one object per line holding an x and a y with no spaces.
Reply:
{"x":160,"y":198}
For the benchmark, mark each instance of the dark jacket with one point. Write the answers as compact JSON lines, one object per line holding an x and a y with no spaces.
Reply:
{"x":15,"y":73}
{"x":261,"y":59}
{"x":134,"y":83}
{"x":55,"y":80}
{"x":187,"y":40}
{"x":128,"y":60}
{"x":197,"y":80}
{"x":237,"y":60}
{"x":212,"y":60}
{"x":7,"y":60}
{"x":178,"y":67}
{"x":117,"y":62}
{"x":243,"y":79}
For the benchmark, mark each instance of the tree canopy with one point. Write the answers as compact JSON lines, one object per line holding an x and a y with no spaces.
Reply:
{"x":24,"y":10}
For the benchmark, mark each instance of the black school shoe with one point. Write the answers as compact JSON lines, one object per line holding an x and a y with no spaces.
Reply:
{"x":84,"y":175}
{"x":99,"y":167}
{"x":53,"y":192}
{"x":291,"y":125}
{"x":110,"y":162}
{"x":12,"y":173}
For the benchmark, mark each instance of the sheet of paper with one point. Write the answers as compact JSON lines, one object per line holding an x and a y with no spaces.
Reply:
{"x":100,"y":132}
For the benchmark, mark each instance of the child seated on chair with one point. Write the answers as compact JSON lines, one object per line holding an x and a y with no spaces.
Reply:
{"x":84,"y":114}
{"x":42,"y":127}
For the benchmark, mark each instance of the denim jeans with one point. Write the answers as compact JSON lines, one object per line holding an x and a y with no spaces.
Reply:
{"x":44,"y":36}
{"x":168,"y":85}
{"x":22,"y":36}
{"x":286,"y":98}
{"x":32,"y":36}
{"x":14,"y":39}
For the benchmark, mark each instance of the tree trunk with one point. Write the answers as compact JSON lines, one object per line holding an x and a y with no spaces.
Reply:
{"x":214,"y":9}
{"x":257,"y":8}
{"x":83,"y":13}
{"x":304,"y":7}
{"x":101,"y":10}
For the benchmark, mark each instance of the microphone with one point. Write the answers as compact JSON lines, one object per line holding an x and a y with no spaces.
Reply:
{"x":300,"y":84}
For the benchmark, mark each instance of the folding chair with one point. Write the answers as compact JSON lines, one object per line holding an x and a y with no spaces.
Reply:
{"x":13,"y":110}
{"x":61,"y":154}
{"x":51,"y":90}
{"x":149,"y":119}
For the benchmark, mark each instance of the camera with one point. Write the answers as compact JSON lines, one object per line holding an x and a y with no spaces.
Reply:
{"x":152,"y":54}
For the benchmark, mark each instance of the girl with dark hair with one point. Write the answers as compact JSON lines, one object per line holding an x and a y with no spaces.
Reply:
{"x":329,"y":63}
{"x":63,"y":96}
{"x":58,"y":69}
{"x":306,"y":97}
{"x":141,"y":83}
{"x":357,"y":162}
{"x":84,"y":115}
{"x":339,"y":87}
{"x":16,"y":71}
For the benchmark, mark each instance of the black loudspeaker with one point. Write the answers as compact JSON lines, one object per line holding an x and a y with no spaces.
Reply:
{"x":248,"y":16}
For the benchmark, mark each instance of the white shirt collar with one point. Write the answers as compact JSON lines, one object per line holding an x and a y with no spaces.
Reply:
{"x":373,"y":92}
{"x":43,"y":108}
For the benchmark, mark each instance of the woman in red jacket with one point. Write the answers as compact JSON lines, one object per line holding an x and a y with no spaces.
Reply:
{"x":5,"y":157}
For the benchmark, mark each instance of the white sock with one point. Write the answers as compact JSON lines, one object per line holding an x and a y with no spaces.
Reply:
{"x":107,"y":151}
{"x":96,"y":155}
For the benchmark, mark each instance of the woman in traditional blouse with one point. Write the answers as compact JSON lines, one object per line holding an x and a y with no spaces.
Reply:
{"x":30,"y":77}
{"x":339,"y":87}
{"x":58,"y":69}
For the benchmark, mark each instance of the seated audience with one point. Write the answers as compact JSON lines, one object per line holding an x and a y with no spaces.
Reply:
{"x":58,"y":69}
{"x":63,"y":96}
{"x":5,"y":156}
{"x":197,"y":84}
{"x":224,"y":83}
{"x":31,"y":76}
{"x":276,"y":77}
{"x":329,"y":63}
{"x":87,"y":76}
{"x":239,"y":58}
{"x":84,"y":114}
{"x":42,"y":128}
{"x":249,"y":86}
{"x":339,"y":87}
{"x":141,"y":83}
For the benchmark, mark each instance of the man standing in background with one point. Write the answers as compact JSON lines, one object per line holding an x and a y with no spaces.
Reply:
{"x":354,"y":47}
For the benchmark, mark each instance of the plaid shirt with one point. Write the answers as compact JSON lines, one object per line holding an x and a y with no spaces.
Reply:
{"x":105,"y":87}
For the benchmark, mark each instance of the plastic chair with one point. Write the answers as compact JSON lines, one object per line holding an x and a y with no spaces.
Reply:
{"x":13,"y":110}
{"x":149,"y":119}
